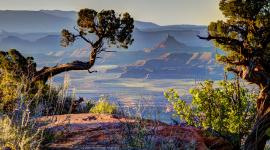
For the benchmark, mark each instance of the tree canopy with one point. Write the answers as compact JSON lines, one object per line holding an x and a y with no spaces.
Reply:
{"x":245,"y":39}
{"x":106,"y":25}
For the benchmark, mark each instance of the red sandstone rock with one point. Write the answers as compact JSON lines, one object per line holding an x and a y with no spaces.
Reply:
{"x":91,"y":131}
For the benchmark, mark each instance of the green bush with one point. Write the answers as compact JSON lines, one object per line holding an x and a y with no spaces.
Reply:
{"x":228,"y":109}
{"x":103,"y":106}
{"x":15,"y":80}
{"x":12,"y":90}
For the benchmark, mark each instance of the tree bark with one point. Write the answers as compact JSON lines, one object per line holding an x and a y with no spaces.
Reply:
{"x":46,"y":72}
{"x":258,"y":137}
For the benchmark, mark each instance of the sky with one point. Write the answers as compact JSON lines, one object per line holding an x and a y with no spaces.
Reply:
{"x":162,"y":12}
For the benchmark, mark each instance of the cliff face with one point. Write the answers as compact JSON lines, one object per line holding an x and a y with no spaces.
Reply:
{"x":89,"y":131}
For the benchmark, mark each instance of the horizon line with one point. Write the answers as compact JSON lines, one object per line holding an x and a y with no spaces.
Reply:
{"x":162,"y":25}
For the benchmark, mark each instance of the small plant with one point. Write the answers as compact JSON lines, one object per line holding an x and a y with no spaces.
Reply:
{"x":103,"y":106}
{"x":89,"y":104}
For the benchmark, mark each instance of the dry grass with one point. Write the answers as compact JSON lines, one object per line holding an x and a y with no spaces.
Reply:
{"x":19,"y":136}
{"x":18,"y":129}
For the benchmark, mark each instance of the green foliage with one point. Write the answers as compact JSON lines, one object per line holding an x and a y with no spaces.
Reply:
{"x":106,"y":24}
{"x":89,"y":105}
{"x":103,"y":106}
{"x":15,"y":74}
{"x":227,"y":109}
{"x":8,"y":84}
{"x":245,"y":38}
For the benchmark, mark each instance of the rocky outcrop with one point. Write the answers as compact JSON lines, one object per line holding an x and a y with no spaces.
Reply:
{"x":89,"y":131}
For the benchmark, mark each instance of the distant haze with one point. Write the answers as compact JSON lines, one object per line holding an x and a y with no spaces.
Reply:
{"x":163,"y":12}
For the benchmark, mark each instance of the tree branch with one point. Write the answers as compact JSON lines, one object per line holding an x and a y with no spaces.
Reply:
{"x":229,"y":42}
{"x":46,"y":72}
{"x":83,"y":37}
{"x":224,"y":40}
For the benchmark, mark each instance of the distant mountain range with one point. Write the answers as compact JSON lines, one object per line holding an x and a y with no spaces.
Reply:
{"x":25,"y":21}
{"x":122,"y":57}
{"x":174,"y":66}
{"x":33,"y":21}
{"x":25,"y":28}
{"x":158,"y":52}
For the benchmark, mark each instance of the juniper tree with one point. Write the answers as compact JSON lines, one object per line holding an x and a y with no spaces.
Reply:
{"x":105,"y":26}
{"x":245,"y":39}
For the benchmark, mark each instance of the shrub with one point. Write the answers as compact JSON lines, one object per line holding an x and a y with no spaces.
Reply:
{"x":88,"y":105}
{"x":18,"y":136}
{"x":15,"y":83}
{"x":13,"y":92}
{"x":228,"y":109}
{"x":103,"y":106}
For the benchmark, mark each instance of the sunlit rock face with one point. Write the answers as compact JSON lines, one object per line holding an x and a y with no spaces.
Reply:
{"x":89,"y":131}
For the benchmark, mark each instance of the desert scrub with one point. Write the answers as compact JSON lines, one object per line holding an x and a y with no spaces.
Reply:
{"x":141,"y":133}
{"x":103,"y":106}
{"x":19,"y":136}
{"x":228,"y":109}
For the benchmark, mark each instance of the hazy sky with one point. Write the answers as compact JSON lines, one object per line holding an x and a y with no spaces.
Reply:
{"x":162,"y":12}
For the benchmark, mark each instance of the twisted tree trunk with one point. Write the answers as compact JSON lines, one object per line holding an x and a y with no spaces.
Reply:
{"x":46,"y":72}
{"x":258,"y":137}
